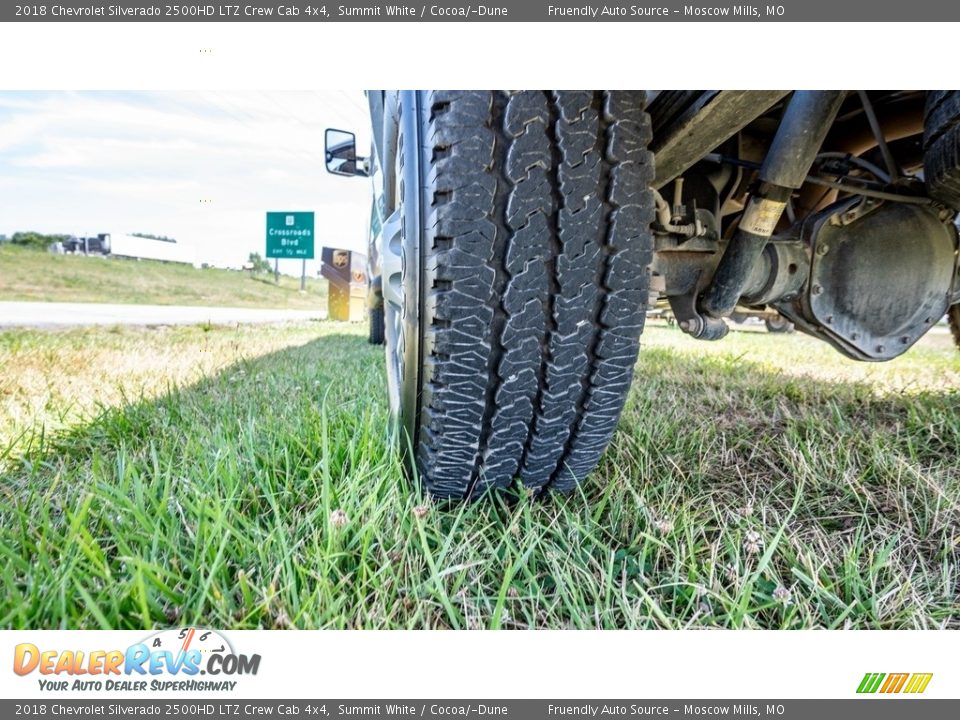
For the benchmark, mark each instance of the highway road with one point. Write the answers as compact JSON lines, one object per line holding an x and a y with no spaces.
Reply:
{"x":55,"y":314}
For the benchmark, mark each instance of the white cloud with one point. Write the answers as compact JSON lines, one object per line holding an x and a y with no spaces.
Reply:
{"x":127,"y":162}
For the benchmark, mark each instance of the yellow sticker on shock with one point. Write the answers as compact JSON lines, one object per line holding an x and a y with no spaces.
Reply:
{"x":761,"y":216}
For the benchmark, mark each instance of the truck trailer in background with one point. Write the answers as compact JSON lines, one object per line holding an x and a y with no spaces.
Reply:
{"x":132,"y":247}
{"x":143,"y":248}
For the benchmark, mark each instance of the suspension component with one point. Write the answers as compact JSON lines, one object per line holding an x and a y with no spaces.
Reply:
{"x":805,"y":123}
{"x":779,"y":273}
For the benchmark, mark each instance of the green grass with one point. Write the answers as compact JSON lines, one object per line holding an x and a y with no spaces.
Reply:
{"x":27,"y":274}
{"x":243,"y":480}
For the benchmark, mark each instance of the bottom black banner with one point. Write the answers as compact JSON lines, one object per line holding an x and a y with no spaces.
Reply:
{"x":874,"y":708}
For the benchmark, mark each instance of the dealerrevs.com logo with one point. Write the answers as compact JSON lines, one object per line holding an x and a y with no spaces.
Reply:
{"x":169,"y":660}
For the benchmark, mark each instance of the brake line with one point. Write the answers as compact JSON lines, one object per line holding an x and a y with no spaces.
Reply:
{"x":824,"y":182}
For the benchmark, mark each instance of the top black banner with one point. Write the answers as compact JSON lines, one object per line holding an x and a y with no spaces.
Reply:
{"x":503,"y":11}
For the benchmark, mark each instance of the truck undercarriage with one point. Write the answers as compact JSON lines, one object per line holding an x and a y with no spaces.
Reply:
{"x":814,"y":206}
{"x":525,"y":235}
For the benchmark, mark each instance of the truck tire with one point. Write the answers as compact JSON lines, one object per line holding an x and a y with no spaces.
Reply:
{"x":941,"y":146}
{"x":376,"y":326}
{"x":533,"y":254}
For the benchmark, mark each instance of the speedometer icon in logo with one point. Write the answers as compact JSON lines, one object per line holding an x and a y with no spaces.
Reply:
{"x":182,"y":640}
{"x":189,"y":651}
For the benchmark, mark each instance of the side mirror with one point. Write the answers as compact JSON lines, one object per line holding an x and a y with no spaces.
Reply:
{"x":341,"y":154}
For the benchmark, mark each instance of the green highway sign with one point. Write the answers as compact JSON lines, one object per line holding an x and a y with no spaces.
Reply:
{"x":290,"y":235}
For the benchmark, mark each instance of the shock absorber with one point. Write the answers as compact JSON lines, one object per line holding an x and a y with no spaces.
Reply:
{"x":805,"y":123}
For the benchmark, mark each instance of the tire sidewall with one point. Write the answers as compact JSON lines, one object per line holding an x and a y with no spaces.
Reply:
{"x":412,"y":191}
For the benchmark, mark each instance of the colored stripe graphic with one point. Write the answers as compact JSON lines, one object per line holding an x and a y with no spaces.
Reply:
{"x":870,"y":682}
{"x":894,"y":683}
{"x":918,"y":682}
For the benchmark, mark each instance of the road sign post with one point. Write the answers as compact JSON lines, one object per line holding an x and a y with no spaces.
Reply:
{"x":290,"y":235}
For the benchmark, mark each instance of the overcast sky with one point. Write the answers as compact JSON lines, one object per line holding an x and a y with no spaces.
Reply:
{"x":89,"y":162}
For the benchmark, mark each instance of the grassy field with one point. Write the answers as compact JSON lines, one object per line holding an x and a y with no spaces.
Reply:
{"x":36,"y":275}
{"x":241,"y":478}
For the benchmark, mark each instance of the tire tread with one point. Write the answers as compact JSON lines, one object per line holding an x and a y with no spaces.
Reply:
{"x":941,"y":142}
{"x":537,"y":222}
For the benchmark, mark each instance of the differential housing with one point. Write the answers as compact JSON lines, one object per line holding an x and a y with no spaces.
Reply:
{"x":881,"y":274}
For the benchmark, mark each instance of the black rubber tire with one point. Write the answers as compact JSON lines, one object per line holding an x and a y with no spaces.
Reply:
{"x":954,"y":315}
{"x":535,"y":255}
{"x":376,"y":326}
{"x":941,"y":146}
{"x":778,"y":325}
